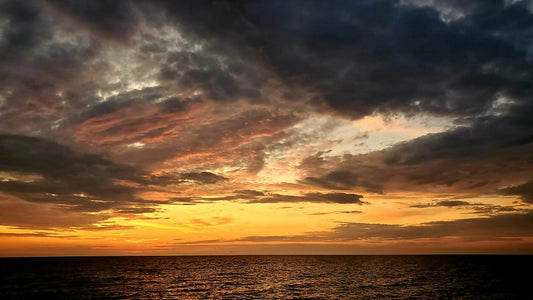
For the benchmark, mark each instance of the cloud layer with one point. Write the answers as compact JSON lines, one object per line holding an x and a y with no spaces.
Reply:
{"x":119,"y":110}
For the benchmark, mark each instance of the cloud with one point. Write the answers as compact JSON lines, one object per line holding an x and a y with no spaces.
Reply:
{"x":349,"y":54}
{"x":338,"y":198}
{"x":449,"y":10}
{"x":41,"y":171}
{"x":482,"y":209}
{"x":452,"y":203}
{"x":30,"y":215}
{"x":337,"y":212}
{"x":203,"y":177}
{"x":37,"y":234}
{"x":490,"y":154}
{"x":24,"y":31}
{"x":255,"y":197}
{"x":501,"y":226}
{"x":507,"y":225}
{"x":115,"y":20}
{"x":233,"y":51}
{"x":212,"y":141}
{"x":345,"y":54}
{"x":525,"y":191}
{"x":199,"y":93}
{"x":444,"y":203}
{"x":343,"y":180}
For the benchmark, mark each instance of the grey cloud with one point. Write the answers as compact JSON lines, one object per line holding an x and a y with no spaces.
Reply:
{"x":175,"y":104}
{"x":523,"y":190}
{"x":29,"y":215}
{"x":445,"y":203}
{"x":38,"y":64}
{"x":491,"y":210}
{"x":344,"y":180}
{"x":81,"y":182}
{"x":78,"y":181}
{"x":449,"y":10}
{"x":130,"y":99}
{"x":501,"y":226}
{"x":346,"y":51}
{"x":452,"y":203}
{"x":23,"y":30}
{"x":339,"y":198}
{"x":178,"y":178}
{"x":507,"y":225}
{"x":255,"y":197}
{"x":203,"y":177}
{"x":485,"y":135}
{"x":350,"y":50}
{"x":342,"y":198}
{"x":492,"y":151}
{"x":477,"y":208}
{"x":336,"y":180}
{"x":32,"y":154}
{"x":115,"y":20}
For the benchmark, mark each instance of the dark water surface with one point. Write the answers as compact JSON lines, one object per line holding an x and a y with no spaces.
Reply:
{"x":268,"y":277}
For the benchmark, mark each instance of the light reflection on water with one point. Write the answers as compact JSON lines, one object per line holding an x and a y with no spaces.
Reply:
{"x":265,"y":277}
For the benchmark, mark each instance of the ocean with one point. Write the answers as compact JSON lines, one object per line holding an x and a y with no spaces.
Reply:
{"x":268,"y":277}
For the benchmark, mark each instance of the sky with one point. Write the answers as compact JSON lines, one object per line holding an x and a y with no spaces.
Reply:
{"x":266,"y":127}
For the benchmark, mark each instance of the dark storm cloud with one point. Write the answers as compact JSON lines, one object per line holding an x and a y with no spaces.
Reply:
{"x":50,"y":173}
{"x":443,"y":80}
{"x":350,"y":50}
{"x":485,"y":135}
{"x":345,"y":51}
{"x":38,"y":63}
{"x":479,"y":158}
{"x":362,"y":57}
{"x":36,"y":155}
{"x":81,"y":182}
{"x":126,"y":99}
{"x":22,"y":31}
{"x":448,"y":58}
{"x":73,"y":181}
{"x":221,"y":78}
{"x":449,"y":10}
{"x":114,"y":20}
{"x":336,"y":180}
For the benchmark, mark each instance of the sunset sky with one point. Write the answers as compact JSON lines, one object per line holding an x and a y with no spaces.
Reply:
{"x":266,"y":127}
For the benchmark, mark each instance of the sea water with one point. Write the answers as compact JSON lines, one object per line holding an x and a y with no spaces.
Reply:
{"x":268,"y":277}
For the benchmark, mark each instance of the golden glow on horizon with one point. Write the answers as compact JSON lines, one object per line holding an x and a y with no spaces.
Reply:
{"x":223,"y":223}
